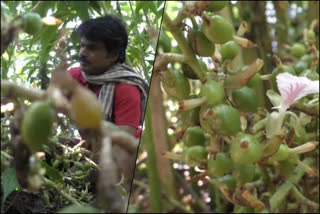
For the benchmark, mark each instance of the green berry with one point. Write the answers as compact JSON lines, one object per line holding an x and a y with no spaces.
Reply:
{"x":229,"y":50}
{"x":227,"y":180}
{"x":32,"y":23}
{"x":245,"y":99}
{"x":176,"y":84}
{"x":243,"y":173}
{"x":300,"y":66}
{"x":298,"y":50}
{"x":213,"y":91}
{"x":219,"y":166}
{"x":200,"y":44}
{"x":217,"y":29}
{"x":282,"y":153}
{"x":246,"y":149}
{"x":195,"y":155}
{"x":310,"y":74}
{"x":255,"y":80}
{"x":222,"y":119}
{"x":194,"y":136}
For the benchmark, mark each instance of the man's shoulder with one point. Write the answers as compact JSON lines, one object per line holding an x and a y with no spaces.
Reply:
{"x":125,"y":90}
{"x":125,"y":87}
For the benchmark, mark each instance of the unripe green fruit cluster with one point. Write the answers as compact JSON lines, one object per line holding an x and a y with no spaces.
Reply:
{"x":218,"y":121}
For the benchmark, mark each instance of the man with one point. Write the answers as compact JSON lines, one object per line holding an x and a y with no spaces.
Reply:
{"x":121,"y":91}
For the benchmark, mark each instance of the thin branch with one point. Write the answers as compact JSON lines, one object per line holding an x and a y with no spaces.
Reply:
{"x":13,"y":90}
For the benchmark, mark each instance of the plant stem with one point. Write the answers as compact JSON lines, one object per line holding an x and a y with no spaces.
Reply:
{"x":279,"y":196}
{"x":301,"y":198}
{"x":186,"y":105}
{"x":185,"y":48}
{"x":13,"y":90}
{"x":152,"y":168}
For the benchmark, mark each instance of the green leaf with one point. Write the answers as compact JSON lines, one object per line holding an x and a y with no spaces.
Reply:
{"x":274,"y":98}
{"x":52,"y":172}
{"x":82,"y":9}
{"x":94,"y":5}
{"x":9,"y":183}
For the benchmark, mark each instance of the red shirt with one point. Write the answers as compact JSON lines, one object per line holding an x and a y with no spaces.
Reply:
{"x":126,"y":101}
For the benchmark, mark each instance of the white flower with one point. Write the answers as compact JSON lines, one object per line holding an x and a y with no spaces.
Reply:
{"x":293,"y":88}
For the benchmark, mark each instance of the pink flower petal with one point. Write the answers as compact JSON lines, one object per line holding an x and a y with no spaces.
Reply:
{"x":293,"y":88}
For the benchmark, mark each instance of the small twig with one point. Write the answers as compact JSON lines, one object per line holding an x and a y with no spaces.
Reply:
{"x":36,"y":7}
{"x":13,"y":90}
{"x":301,"y":198}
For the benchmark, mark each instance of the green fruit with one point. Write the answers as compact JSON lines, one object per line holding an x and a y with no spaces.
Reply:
{"x":278,"y":70}
{"x":246,"y":149}
{"x":195,"y":155}
{"x":219,"y":166}
{"x":282,"y":153}
{"x":310,"y":74}
{"x":200,"y":44}
{"x":36,"y":124}
{"x":217,"y":5}
{"x":227,"y":180}
{"x":32,"y":23}
{"x":300,"y":66}
{"x":245,"y":99}
{"x":307,"y":59}
{"x":213,"y":91}
{"x":224,"y":120}
{"x":194,"y":136}
{"x":297,"y":50}
{"x":311,"y":35}
{"x":255,"y":80}
{"x":257,"y":174}
{"x":229,"y":50}
{"x":176,"y":84}
{"x":164,"y":42}
{"x":188,"y":72}
{"x":217,"y":29}
{"x":243,"y":173}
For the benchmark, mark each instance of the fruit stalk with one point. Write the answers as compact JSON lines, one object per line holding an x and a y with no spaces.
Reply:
{"x":242,"y":78}
{"x":307,"y":147}
{"x":186,"y":105}
{"x":173,"y":156}
{"x":185,"y":48}
{"x":242,"y":29}
{"x":246,"y":43}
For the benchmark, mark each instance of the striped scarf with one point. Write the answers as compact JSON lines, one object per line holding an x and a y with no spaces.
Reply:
{"x":118,"y":73}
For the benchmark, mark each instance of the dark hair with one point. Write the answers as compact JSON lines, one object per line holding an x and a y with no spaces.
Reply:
{"x":109,"y":29}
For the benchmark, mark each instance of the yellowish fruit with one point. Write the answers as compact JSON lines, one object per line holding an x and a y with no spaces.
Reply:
{"x":86,"y":109}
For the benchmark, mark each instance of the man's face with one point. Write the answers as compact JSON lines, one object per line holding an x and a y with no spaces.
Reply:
{"x":94,"y":57}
